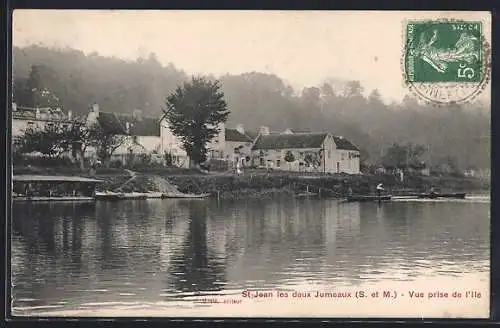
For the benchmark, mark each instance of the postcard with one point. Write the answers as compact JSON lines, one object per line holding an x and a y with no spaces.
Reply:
{"x":250,"y":164}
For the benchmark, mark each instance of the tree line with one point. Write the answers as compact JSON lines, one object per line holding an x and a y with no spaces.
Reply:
{"x":455,"y":133}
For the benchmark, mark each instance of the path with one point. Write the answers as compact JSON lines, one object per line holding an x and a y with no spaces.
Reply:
{"x":132,"y":175}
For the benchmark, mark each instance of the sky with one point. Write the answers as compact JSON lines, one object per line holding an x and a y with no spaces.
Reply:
{"x":302,"y":47}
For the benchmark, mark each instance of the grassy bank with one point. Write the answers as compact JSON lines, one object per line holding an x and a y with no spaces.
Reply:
{"x":262,"y":184}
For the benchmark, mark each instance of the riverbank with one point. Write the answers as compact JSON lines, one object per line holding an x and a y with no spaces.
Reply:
{"x":261,"y":184}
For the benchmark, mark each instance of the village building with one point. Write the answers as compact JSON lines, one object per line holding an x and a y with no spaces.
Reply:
{"x":305,"y":152}
{"x":142,"y":133}
{"x":238,"y":146}
{"x":36,"y":118}
{"x":171,"y":145}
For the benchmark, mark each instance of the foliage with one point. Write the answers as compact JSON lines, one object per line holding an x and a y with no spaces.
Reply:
{"x":404,"y":156}
{"x":289,"y":157}
{"x":256,"y":99}
{"x":105,"y":143}
{"x":48,"y":140}
{"x":194,"y":112}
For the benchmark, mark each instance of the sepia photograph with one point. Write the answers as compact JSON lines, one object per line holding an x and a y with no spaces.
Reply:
{"x":250,"y":164}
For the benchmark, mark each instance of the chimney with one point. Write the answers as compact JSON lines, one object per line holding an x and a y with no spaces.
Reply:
{"x":37,"y":113}
{"x":137,"y":114}
{"x":95,"y":108}
{"x":70,"y":114}
{"x":127,"y":127}
{"x":240,"y":128}
{"x":14,"y":107}
{"x":264,"y":130}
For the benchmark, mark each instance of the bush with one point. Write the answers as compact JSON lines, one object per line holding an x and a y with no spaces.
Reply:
{"x":43,"y":161}
{"x":116,"y":164}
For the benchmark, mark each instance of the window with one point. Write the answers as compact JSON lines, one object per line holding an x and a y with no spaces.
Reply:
{"x":278,"y":162}
{"x":329,"y":153}
{"x":343,"y":156}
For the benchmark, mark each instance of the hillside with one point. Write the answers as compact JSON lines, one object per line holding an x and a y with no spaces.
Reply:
{"x":77,"y":80}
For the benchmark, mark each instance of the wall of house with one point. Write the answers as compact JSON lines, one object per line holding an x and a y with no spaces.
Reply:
{"x":347,"y":161}
{"x":19,"y":127}
{"x":217,"y":146}
{"x":150,"y":143}
{"x":244,"y":151}
{"x":275,"y":159}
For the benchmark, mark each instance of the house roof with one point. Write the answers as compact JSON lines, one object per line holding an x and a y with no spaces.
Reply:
{"x":46,"y":114}
{"x":252,"y":134}
{"x":300,"y":140}
{"x":235,"y":135}
{"x":343,"y":143}
{"x":286,"y":141}
{"x":116,"y":123}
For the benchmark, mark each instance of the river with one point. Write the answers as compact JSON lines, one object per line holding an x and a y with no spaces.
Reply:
{"x":165,"y":257}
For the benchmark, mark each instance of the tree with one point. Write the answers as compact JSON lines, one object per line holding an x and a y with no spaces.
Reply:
{"x":105,"y":143}
{"x":289,"y":158}
{"x":78,"y":137}
{"x":194,"y":112}
{"x":403,"y":156}
{"x":47,"y":140}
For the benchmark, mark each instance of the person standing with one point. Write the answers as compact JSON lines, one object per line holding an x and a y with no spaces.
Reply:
{"x":380,"y":188}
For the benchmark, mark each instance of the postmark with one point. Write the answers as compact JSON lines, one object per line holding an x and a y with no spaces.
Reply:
{"x":445,"y":61}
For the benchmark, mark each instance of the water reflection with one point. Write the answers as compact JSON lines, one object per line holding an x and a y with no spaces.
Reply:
{"x":73,"y":255}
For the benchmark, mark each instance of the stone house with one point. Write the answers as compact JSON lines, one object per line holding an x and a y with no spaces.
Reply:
{"x":238,"y":146}
{"x":308,"y":152}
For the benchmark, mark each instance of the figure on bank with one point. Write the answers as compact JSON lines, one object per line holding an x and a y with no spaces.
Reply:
{"x":380,"y":188}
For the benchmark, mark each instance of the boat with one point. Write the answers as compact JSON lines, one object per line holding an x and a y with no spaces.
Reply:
{"x":367,"y":198}
{"x":154,"y":194}
{"x":134,"y":195}
{"x":306,"y":194}
{"x":459,"y":195}
{"x":182,"y":195}
{"x":46,"y":199}
{"x":108,"y":195}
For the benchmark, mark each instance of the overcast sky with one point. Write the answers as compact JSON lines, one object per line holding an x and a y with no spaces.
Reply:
{"x":302,"y":47}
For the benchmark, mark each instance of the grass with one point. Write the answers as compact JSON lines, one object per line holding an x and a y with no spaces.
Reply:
{"x":258,"y":183}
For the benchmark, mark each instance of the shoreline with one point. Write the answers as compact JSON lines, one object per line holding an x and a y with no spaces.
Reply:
{"x":261,"y":185}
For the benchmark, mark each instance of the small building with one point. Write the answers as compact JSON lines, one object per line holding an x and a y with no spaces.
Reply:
{"x":37,"y":118}
{"x":305,"y":152}
{"x":142,"y":132}
{"x":238,"y":146}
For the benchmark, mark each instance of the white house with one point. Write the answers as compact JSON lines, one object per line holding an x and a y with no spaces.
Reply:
{"x":238,"y":147}
{"x":305,"y":151}
{"x":24,"y":118}
{"x":142,"y":132}
{"x":172,"y":145}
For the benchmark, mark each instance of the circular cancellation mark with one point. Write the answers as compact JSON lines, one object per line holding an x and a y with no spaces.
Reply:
{"x":445,"y":61}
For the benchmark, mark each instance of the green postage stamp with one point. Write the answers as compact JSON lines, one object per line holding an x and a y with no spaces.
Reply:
{"x":445,"y":61}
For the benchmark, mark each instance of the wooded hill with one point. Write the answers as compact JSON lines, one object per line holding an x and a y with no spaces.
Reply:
{"x":457,"y":133}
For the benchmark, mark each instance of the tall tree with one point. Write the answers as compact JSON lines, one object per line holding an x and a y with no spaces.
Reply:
{"x":194,"y":112}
